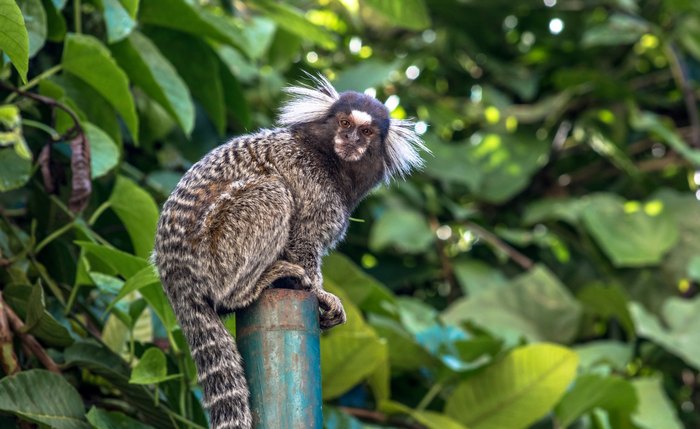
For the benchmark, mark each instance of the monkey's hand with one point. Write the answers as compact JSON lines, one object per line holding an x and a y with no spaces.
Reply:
{"x":332,"y":312}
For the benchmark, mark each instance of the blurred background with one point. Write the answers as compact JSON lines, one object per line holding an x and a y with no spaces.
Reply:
{"x":541,"y":271}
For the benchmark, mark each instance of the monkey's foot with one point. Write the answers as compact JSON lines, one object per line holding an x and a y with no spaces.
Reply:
{"x":283,"y":269}
{"x":332,"y":312}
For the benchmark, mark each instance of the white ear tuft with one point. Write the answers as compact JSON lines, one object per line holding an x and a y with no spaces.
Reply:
{"x":402,"y":144}
{"x":307,"y":103}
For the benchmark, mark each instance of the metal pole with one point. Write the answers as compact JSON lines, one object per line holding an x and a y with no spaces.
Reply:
{"x":278,"y":337}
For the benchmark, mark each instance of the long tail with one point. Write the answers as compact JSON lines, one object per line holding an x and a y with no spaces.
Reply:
{"x":219,"y":364}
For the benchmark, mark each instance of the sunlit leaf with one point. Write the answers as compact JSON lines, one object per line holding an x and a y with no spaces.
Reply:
{"x":138,"y":212}
{"x":151,"y":368}
{"x":516,"y":391}
{"x":14,"y":39}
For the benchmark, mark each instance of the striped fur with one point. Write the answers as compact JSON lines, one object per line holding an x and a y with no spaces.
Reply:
{"x":263,"y":207}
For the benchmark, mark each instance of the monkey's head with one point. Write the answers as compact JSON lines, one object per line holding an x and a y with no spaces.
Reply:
{"x":354,"y":127}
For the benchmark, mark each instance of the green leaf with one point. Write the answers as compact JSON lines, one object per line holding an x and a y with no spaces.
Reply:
{"x":14,"y":169}
{"x":361,"y":288}
{"x":151,"y":71}
{"x":123,"y":263}
{"x":40,"y":322}
{"x":526,"y":306}
{"x":199,"y":69}
{"x":101,"y":419}
{"x":14,"y":39}
{"x":56,"y":24}
{"x":44,"y":398}
{"x":117,"y":20}
{"x":655,"y":410}
{"x":618,"y":30}
{"x":103,"y":362}
{"x":348,"y":358}
{"x":608,"y":302}
{"x":184,"y":16}
{"x":35,"y":20}
{"x":364,"y":75}
{"x":104,"y":153}
{"x":405,"y":354}
{"x":411,"y":14}
{"x":404,"y":229}
{"x":85,"y":101}
{"x":516,"y":391}
{"x":632,"y":234}
{"x":595,"y":391}
{"x":685,"y":211}
{"x":292,"y":20}
{"x":604,"y":352}
{"x":89,"y":60}
{"x":145,"y":277}
{"x":679,"y":315}
{"x":506,"y":162}
{"x":475,"y":276}
{"x":562,"y":209}
{"x":451,"y":163}
{"x":654,"y":124}
{"x":151,"y":368}
{"x":429,"y":419}
{"x":138,"y":212}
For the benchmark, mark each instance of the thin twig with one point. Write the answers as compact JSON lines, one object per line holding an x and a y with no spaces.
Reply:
{"x":9,"y":361}
{"x":28,"y":340}
{"x":491,"y":238}
{"x":379,"y":417}
{"x":678,"y":69}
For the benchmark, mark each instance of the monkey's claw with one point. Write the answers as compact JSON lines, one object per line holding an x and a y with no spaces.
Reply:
{"x":332,"y":312}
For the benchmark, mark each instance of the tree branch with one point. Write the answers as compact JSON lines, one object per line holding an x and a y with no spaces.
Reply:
{"x":379,"y":417}
{"x":28,"y":340}
{"x":491,"y":238}
{"x":8,"y":358}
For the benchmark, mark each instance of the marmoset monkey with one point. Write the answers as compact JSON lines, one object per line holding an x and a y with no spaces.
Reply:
{"x":267,"y":206}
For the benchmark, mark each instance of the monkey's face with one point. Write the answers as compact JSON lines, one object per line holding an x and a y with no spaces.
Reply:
{"x":361,"y":124}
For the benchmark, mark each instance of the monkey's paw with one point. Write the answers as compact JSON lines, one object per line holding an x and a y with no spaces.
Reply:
{"x":332,"y":312}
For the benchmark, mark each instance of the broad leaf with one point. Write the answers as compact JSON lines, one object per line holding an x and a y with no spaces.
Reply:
{"x":679,"y":315}
{"x":151,"y":368}
{"x":515,"y":392}
{"x":429,"y":419}
{"x":199,"y":69}
{"x":88,"y":59}
{"x":101,"y":419}
{"x":595,"y":391}
{"x":184,"y":16}
{"x":655,"y":409}
{"x":43,"y":397}
{"x":403,"y":229}
{"x":138,"y":212}
{"x":608,"y":302}
{"x":103,"y":362}
{"x":615,"y":354}
{"x":347,"y":359}
{"x":104,"y":153}
{"x":14,"y":169}
{"x":526,"y":306}
{"x":123,"y":263}
{"x":117,"y":20}
{"x":411,"y":14}
{"x":293,"y":20}
{"x":149,"y":69}
{"x":14,"y":39}
{"x":366,"y":74}
{"x":35,"y":20}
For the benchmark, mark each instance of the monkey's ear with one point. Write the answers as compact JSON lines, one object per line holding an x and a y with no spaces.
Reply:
{"x":307,"y":103}
{"x":402,"y":144}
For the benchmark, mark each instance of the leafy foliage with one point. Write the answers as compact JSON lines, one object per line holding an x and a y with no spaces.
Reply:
{"x":541,"y":271}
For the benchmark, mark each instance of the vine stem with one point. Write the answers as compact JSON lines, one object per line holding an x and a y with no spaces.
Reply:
{"x":429,"y":396}
{"x":491,"y":238}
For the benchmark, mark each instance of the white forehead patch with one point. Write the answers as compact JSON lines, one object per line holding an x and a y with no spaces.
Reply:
{"x":361,"y":118}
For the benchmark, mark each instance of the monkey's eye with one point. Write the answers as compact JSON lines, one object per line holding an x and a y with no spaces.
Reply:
{"x":345,"y":123}
{"x":367,"y":131}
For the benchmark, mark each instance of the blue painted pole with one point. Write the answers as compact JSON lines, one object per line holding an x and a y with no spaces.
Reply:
{"x":278,"y":337}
